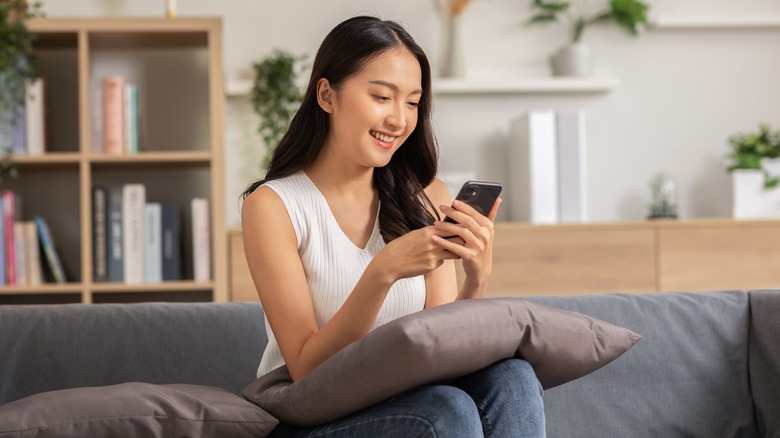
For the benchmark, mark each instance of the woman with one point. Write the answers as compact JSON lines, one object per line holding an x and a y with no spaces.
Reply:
{"x":343,"y":235}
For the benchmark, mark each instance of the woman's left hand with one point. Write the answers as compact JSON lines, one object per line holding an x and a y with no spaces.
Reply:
{"x":476,"y":232}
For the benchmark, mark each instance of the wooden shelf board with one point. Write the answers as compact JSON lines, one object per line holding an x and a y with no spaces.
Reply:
{"x":48,"y":158}
{"x":185,"y":157}
{"x":173,"y":286}
{"x":71,"y":288}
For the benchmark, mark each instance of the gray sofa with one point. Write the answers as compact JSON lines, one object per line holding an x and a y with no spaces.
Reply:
{"x":708,"y":364}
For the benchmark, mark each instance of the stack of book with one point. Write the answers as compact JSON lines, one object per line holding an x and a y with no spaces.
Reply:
{"x":135,"y":241}
{"x":119,"y":116}
{"x":25,"y":129}
{"x":26,"y":247}
{"x":547,"y":174}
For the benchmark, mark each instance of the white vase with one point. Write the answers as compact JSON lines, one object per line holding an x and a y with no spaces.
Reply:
{"x":750,"y":199}
{"x":572,"y":60}
{"x":453,"y":62}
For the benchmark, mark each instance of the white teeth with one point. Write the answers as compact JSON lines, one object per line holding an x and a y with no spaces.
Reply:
{"x":382,"y":137}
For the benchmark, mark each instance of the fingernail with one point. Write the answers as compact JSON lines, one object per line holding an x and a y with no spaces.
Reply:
{"x":436,"y":223}
{"x":444,"y":207}
{"x":456,"y":203}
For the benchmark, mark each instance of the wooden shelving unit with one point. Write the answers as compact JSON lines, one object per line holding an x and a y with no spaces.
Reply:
{"x":177,"y":66}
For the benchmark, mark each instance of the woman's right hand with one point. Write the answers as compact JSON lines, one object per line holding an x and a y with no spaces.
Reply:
{"x":413,"y":254}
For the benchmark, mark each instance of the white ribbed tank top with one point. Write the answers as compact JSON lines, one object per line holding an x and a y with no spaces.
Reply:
{"x":333,"y":264}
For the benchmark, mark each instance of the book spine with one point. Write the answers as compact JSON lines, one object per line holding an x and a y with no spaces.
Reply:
{"x":36,"y":117}
{"x":113,"y":114}
{"x":133,"y":201}
{"x":171,"y":243}
{"x":10,"y":241}
{"x":201,"y":248}
{"x":116,"y":247}
{"x":47,"y":243}
{"x":34,"y":267}
{"x":99,"y":232}
{"x":21,"y":255}
{"x":153,"y":243}
{"x":131,"y":119}
{"x":3,"y":268}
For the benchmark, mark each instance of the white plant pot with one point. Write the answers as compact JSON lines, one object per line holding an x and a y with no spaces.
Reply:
{"x":751,"y":200}
{"x":453,"y":58}
{"x":572,"y":60}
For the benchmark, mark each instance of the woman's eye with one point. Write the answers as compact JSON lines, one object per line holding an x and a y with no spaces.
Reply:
{"x":414,"y":104}
{"x":382,"y":98}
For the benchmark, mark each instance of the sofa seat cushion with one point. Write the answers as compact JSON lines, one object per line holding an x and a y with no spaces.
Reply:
{"x":134,"y":410}
{"x":439,"y":344}
{"x":687,"y":378}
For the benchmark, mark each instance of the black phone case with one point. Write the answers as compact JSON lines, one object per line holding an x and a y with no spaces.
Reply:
{"x":481,"y":195}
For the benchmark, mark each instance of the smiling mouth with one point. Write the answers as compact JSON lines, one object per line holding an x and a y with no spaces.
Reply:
{"x":382,"y":137}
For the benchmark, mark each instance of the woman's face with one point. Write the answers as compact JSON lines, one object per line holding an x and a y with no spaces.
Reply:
{"x":375,"y":110}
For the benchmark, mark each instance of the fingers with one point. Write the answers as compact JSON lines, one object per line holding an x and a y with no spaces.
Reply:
{"x":465,"y":214}
{"x":494,"y":210}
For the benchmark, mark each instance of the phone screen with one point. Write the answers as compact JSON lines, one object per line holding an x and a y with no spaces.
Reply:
{"x":481,"y":195}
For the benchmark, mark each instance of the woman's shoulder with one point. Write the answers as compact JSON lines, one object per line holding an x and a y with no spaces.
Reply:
{"x":438,"y":192}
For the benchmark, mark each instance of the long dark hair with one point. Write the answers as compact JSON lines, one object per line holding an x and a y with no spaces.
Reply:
{"x":401,"y":183}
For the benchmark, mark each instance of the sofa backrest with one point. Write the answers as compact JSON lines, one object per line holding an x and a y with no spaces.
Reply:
{"x":688,"y":376}
{"x":765,"y":359}
{"x":49,"y":347}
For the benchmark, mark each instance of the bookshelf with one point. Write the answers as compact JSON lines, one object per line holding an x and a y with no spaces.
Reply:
{"x":177,"y":66}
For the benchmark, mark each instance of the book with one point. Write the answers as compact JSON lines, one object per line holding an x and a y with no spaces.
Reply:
{"x":21,"y":256}
{"x":33,"y":261}
{"x":533,"y":169}
{"x":49,"y":250}
{"x":131,"y":118}
{"x":201,"y":248}
{"x":9,"y":213}
{"x":113,"y":114}
{"x":99,"y":234}
{"x":171,"y":243}
{"x":115,"y":237}
{"x":153,"y":242}
{"x":35,"y":117}
{"x":572,"y":178}
{"x":133,"y":201}
{"x":3,"y":276}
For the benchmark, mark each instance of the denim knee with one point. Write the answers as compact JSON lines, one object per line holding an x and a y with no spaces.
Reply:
{"x":517,"y":372}
{"x":449,"y":412}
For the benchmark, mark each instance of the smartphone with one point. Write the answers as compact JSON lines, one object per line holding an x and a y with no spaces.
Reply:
{"x":481,"y":195}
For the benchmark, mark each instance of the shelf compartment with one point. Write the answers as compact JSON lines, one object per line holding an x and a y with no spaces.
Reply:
{"x":151,"y":295}
{"x":24,"y":298}
{"x":173,"y":93}
{"x":49,"y":159}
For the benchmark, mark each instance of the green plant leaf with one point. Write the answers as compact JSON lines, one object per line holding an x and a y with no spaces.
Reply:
{"x":542,"y":17}
{"x":629,"y":14}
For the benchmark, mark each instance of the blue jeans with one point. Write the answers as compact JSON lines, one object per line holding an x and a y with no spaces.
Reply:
{"x":503,"y":400}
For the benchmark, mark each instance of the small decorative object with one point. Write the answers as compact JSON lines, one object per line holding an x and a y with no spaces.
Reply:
{"x":275,"y":97}
{"x":574,"y":59}
{"x":453,"y":61}
{"x":16,"y":68}
{"x":664,"y":203}
{"x":755,"y":170}
{"x":170,"y":8}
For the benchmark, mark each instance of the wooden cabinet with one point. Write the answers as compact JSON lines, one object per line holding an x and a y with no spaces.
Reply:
{"x":637,"y":257}
{"x":177,"y":66}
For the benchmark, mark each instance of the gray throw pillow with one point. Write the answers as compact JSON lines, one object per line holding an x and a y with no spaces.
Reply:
{"x":134,"y":410}
{"x":439,"y":344}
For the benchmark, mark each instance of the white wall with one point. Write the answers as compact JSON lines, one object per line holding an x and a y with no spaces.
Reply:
{"x":681,"y":92}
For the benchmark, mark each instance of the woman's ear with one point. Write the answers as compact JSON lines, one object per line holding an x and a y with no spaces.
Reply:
{"x":325,"y":95}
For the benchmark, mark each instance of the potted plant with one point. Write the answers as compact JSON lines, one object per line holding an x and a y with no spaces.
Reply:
{"x":276,"y":97}
{"x":755,"y":168}
{"x":573,"y":59}
{"x":16,"y":68}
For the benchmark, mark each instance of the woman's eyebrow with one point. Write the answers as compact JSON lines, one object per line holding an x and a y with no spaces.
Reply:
{"x":393,"y":86}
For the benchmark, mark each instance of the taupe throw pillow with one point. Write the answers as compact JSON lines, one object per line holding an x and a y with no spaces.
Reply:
{"x":438,"y":344}
{"x":134,"y":410}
